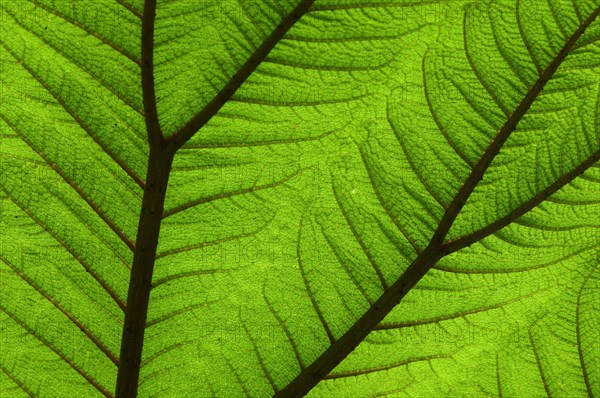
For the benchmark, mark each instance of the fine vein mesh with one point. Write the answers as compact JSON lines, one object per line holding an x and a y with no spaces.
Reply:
{"x":317,"y":184}
{"x":72,"y":154}
{"x":302,"y":200}
{"x":294,"y":228}
{"x":193,"y":65}
{"x":509,"y":316}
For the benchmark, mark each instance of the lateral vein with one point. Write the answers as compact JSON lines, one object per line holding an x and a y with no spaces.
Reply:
{"x":259,"y":55}
{"x":435,"y":250}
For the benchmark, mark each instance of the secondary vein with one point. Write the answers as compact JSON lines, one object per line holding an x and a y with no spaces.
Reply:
{"x":435,"y":250}
{"x":201,"y":118}
{"x":162,"y":152}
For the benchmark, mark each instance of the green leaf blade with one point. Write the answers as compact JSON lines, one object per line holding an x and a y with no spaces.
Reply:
{"x":510,"y":321}
{"x":329,"y":165}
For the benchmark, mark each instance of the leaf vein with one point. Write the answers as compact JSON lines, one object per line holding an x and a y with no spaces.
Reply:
{"x":59,"y":353}
{"x":94,"y":339}
{"x":73,"y":253}
{"x":87,"y":30}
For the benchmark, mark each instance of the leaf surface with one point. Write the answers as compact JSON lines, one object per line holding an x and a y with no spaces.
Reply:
{"x":322,"y":159}
{"x":509,"y":316}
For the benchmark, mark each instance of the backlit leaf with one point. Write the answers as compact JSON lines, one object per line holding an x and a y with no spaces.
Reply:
{"x":336,"y":198}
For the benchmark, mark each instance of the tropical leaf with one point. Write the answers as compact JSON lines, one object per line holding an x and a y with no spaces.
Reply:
{"x":512,"y":315}
{"x":254,"y":198}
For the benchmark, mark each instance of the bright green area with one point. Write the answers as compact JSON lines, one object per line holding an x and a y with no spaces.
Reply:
{"x":515,"y":315}
{"x":302,"y":199}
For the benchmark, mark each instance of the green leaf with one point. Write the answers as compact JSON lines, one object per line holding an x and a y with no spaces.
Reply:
{"x":280,"y":198}
{"x":513,"y":315}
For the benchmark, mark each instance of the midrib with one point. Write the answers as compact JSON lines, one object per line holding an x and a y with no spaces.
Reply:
{"x":162,"y":152}
{"x":436,"y":249}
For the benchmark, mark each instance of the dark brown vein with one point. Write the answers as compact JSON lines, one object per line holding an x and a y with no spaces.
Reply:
{"x":252,"y":20}
{"x":94,"y":339}
{"x":353,"y":6}
{"x":162,"y":152}
{"x":539,"y":364}
{"x":291,"y":104}
{"x":556,"y":19}
{"x":130,"y":8}
{"x":587,"y":42}
{"x":526,"y":42}
{"x":201,"y":118}
{"x":211,"y":198}
{"x":162,"y":370}
{"x":547,"y":32}
{"x":241,"y":383}
{"x":87,"y":30}
{"x":385,"y":367}
{"x":140,"y":283}
{"x":420,"y":198}
{"x":309,"y":292}
{"x":369,"y":38}
{"x":180,"y":311}
{"x":286,"y":330}
{"x":72,"y":252}
{"x":159,"y":168}
{"x":159,"y":165}
{"x":411,"y":163}
{"x":341,"y":348}
{"x":357,"y":237}
{"x":155,"y":135}
{"x":468,"y":240}
{"x":213,"y":242}
{"x":332,"y":68}
{"x":476,"y":71}
{"x":519,"y":72}
{"x":597,"y":114}
{"x":75,"y":187}
{"x":345,"y":303}
{"x":391,"y":393}
{"x":384,"y":205}
{"x":532,"y":225}
{"x":576,"y":8}
{"x":182,"y":275}
{"x":59,"y":353}
{"x":335,"y":250}
{"x":259,"y":143}
{"x":462,"y":314}
{"x":261,"y":361}
{"x":77,"y":63}
{"x":487,"y":116}
{"x":79,"y":121}
{"x":572,"y":202}
{"x":584,"y":369}
{"x":19,"y":383}
{"x":73,"y":209}
{"x":166,"y":350}
{"x":504,"y":270}
{"x":498,"y":382}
